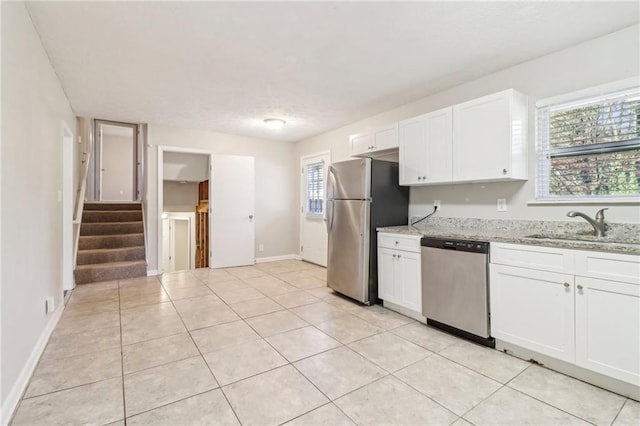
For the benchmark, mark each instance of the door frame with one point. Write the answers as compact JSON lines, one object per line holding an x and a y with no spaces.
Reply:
{"x":66,"y":206}
{"x":302,"y":195}
{"x":160,"y":195}
{"x":97,"y":158}
{"x":190,"y":217}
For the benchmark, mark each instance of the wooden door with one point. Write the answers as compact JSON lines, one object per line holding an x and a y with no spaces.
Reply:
{"x":202,"y":226}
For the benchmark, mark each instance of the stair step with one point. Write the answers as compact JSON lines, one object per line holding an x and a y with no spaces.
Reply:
{"x":91,"y":216}
{"x":88,"y":257}
{"x":111,"y":228}
{"x":85,"y":274}
{"x":112,"y":206}
{"x":89,"y":242}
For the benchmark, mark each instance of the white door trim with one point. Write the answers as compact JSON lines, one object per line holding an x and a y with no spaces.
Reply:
{"x":302,"y":194}
{"x":66,"y":206}
{"x":160,"y":184}
{"x":191,"y":218}
{"x":97,"y":157}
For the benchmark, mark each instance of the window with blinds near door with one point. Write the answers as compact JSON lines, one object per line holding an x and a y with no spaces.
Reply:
{"x":315,"y":189}
{"x":590,"y":147}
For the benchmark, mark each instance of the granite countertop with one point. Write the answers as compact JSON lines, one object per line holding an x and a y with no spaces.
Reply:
{"x":621,"y":238}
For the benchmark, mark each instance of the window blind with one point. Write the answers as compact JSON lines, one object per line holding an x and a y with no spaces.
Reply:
{"x":589,"y":148}
{"x":315,"y":188}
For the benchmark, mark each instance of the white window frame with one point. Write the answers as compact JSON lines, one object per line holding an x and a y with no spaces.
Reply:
{"x":543,"y":165}
{"x":322,"y":199}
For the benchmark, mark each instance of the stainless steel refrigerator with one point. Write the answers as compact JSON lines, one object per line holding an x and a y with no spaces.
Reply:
{"x":362,"y":195}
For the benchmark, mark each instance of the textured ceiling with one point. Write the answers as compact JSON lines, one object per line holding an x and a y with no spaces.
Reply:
{"x":227,"y":66}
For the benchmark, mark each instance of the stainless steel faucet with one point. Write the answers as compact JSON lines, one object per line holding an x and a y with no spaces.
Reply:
{"x":599,"y":226}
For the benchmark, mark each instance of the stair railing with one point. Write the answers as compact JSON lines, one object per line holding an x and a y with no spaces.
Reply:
{"x":87,"y":134}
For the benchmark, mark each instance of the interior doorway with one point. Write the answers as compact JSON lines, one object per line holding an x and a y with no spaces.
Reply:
{"x":221,"y":198}
{"x":178,"y":243}
{"x":313,"y":231}
{"x":117,"y":161}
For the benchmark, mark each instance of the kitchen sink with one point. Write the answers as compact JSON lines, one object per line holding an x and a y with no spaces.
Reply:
{"x":579,"y":238}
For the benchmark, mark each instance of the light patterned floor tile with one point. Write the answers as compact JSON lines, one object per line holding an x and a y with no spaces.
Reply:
{"x":85,"y":342}
{"x":390,"y":351}
{"x":301,"y":343}
{"x":239,"y":362}
{"x":629,"y":415}
{"x":211,"y":339}
{"x":153,"y":353}
{"x":209,"y":408}
{"x":348,"y":328}
{"x":154,"y":387}
{"x":495,"y":364}
{"x":295,"y":299}
{"x":451,"y":385}
{"x":388,"y":401}
{"x":275,"y":323}
{"x":588,"y":402}
{"x":252,"y":308}
{"x":96,"y":403}
{"x":327,"y":415}
{"x":56,"y":374}
{"x":339,"y":371}
{"x":273,"y":397}
{"x":510,"y":407}
{"x":427,"y":337}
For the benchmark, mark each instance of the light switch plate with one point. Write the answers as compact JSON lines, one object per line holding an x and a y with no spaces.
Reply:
{"x":502,"y":204}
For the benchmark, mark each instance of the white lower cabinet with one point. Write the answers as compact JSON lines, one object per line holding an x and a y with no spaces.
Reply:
{"x":399,"y":277}
{"x":579,"y":317}
{"x":533,"y":309}
{"x":608,"y":328}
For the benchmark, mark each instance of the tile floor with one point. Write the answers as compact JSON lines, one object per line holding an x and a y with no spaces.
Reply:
{"x":270,"y":344}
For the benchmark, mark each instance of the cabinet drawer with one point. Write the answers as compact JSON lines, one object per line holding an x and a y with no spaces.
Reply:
{"x":533,"y":257}
{"x":609,"y":266}
{"x":399,"y":242}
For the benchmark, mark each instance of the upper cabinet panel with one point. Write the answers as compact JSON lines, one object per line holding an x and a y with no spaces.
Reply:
{"x":382,"y":140}
{"x":489,"y":136}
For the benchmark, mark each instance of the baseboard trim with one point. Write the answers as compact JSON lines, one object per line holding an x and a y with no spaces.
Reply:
{"x":152,"y":272}
{"x":276,"y":258}
{"x":20,"y":386}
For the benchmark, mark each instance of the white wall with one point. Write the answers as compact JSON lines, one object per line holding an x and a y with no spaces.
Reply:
{"x":613,"y":57}
{"x":33,"y":108}
{"x":276,"y":184}
{"x":179,"y":197}
{"x":182,"y":166}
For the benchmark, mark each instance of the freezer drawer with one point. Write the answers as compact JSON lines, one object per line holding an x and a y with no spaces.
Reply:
{"x":348,"y":257}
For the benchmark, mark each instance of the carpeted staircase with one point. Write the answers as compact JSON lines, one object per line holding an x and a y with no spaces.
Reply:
{"x":111,"y":245}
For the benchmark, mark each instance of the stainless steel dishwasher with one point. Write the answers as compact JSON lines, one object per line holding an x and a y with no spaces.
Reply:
{"x":455,"y":292}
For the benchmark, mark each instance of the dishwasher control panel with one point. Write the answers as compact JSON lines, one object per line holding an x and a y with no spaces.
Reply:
{"x":469,"y":246}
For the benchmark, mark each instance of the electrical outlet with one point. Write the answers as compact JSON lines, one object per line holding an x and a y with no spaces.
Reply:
{"x":50,"y":304}
{"x":436,"y":203}
{"x":502,"y":204}
{"x":260,"y":247}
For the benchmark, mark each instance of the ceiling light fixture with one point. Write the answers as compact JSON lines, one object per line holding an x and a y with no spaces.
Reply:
{"x":274,"y":123}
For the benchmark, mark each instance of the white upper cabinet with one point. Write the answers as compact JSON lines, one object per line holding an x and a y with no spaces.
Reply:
{"x":426,"y":148}
{"x":380,"y":140}
{"x":490,"y":138}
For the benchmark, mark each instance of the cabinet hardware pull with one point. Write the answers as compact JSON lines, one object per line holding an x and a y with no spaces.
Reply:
{"x":504,"y":171}
{"x":419,"y":177}
{"x":580,"y":287}
{"x":566,"y":285}
{"x":394,"y":256}
{"x":396,"y":243}
{"x":424,"y":178}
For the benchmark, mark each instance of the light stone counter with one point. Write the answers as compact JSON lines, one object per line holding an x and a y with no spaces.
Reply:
{"x":621,"y":238}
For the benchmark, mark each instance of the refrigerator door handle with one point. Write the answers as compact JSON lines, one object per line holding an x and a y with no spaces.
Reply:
{"x":331,"y":178}
{"x":330,"y":211}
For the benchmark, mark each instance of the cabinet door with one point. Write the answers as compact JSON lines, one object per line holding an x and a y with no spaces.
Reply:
{"x":409,"y":280}
{"x":385,"y":138}
{"x":608,"y":328}
{"x":533,"y":309}
{"x":387,"y":282}
{"x":438,"y":128}
{"x":413,"y":151}
{"x":482,"y":138}
{"x":360,"y":143}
